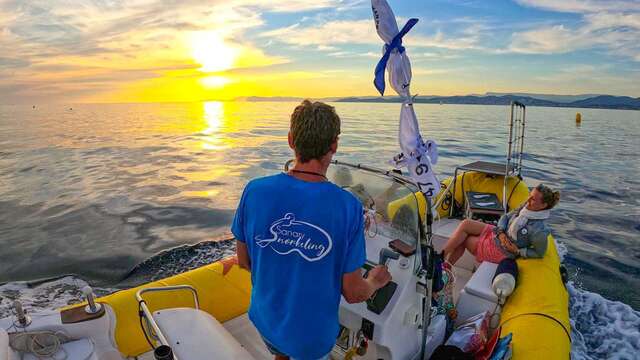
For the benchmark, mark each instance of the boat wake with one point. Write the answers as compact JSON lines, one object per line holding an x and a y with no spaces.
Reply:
{"x":600,"y":328}
{"x":42,"y":297}
{"x":178,"y":260}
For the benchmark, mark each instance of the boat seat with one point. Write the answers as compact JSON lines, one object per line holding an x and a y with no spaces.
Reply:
{"x":480,"y":283}
{"x":196,"y":335}
{"x":477,"y":295}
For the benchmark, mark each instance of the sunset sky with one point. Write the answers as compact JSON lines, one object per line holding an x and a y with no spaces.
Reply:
{"x":144,"y":50}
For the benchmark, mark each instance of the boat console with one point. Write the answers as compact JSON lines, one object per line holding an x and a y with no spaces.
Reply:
{"x":391,"y":317}
{"x":390,"y":321}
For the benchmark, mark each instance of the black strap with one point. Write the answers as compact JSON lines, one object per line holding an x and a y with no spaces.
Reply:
{"x":309,"y":173}
{"x":140,"y":316}
{"x":544,"y":315}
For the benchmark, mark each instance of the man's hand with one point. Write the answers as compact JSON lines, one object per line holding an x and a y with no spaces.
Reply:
{"x":243,"y":255}
{"x":357,"y":289}
{"x":379,"y":276}
{"x":507,"y":244}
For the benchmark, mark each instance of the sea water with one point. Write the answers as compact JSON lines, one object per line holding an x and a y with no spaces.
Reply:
{"x":119,"y":194}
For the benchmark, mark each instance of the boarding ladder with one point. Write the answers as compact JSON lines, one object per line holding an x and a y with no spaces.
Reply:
{"x":513,"y":164}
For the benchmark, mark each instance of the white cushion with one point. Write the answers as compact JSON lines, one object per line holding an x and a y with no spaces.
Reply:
{"x":480,"y":283}
{"x":4,"y":345}
{"x":196,"y":335}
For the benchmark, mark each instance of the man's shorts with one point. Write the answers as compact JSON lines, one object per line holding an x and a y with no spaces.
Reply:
{"x":274,"y":351}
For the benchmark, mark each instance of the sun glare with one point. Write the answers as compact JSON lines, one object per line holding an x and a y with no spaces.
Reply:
{"x":213,"y":115}
{"x":215,"y":81}
{"x":211,"y":51}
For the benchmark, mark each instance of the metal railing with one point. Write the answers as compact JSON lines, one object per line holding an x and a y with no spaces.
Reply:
{"x":516,"y":139}
{"x":149,"y":316}
{"x":515,"y":150}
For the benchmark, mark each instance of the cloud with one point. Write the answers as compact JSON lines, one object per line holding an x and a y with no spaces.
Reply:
{"x":555,"y":39}
{"x":434,"y":56}
{"x":8,"y":63}
{"x":304,"y":5}
{"x":424,"y":71}
{"x":326,"y":48}
{"x":467,"y":41}
{"x":613,"y":26}
{"x":599,"y":32}
{"x":330,"y":33}
{"x":50,"y":40}
{"x":588,"y":78}
{"x":342,"y":54}
{"x":582,"y":6}
{"x":361,"y":32}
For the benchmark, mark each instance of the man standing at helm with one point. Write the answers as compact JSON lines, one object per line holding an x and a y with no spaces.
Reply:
{"x":302,"y":239}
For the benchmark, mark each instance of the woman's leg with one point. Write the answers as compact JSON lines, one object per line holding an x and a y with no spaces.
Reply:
{"x":471,"y":244}
{"x":456,"y":255}
{"x":456,"y":244}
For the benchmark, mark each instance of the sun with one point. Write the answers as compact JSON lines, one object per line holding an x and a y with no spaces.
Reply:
{"x":211,"y":51}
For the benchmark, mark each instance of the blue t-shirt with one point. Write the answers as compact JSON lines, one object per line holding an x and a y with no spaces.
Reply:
{"x":301,"y":238}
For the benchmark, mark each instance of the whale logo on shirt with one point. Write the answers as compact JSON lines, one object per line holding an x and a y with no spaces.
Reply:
{"x":289,"y":235}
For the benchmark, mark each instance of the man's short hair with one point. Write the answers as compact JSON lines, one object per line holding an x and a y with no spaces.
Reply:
{"x":314,"y":127}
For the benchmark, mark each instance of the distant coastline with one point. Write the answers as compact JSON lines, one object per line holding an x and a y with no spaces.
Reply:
{"x":591,"y":101}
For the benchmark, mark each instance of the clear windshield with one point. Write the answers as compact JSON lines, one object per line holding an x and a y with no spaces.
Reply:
{"x":391,"y":207}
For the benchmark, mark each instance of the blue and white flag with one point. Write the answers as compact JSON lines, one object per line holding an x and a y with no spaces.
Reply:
{"x":417,"y":155}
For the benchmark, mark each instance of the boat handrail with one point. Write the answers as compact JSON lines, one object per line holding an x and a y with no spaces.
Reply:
{"x":390,"y":173}
{"x":443,"y":196}
{"x":170,"y":288}
{"x":144,"y":310}
{"x":405,"y":180}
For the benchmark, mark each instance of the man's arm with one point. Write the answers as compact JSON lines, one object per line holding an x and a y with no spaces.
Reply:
{"x":243,"y":255}
{"x":357,"y":289}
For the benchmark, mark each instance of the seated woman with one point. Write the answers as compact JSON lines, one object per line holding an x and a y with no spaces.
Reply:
{"x":520,"y":233}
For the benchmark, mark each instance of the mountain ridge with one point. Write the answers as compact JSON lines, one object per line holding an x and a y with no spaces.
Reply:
{"x":594,"y":102}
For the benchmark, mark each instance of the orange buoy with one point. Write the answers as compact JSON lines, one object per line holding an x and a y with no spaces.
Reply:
{"x":578,"y":118}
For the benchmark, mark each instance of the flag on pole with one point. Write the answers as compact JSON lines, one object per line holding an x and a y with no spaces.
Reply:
{"x":417,"y":155}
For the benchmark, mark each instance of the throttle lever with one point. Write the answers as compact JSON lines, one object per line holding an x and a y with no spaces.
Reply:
{"x":386,"y":255}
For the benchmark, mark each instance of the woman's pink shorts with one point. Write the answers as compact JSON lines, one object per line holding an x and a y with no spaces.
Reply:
{"x":487,"y":249}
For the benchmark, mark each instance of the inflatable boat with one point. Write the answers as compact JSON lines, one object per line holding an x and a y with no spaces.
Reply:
{"x":202,"y":313}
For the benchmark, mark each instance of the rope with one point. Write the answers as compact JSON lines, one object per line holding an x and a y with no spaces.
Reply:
{"x":495,"y":315}
{"x":42,"y":344}
{"x":511,"y":194}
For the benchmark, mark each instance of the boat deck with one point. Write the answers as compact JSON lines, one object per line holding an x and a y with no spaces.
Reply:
{"x":247,"y":335}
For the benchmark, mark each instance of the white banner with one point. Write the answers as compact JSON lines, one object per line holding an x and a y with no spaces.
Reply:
{"x":418,"y":156}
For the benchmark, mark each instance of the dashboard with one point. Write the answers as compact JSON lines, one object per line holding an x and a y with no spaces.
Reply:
{"x":393,"y":310}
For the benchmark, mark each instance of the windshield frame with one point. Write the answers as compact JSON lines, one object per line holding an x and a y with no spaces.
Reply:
{"x":422,"y":235}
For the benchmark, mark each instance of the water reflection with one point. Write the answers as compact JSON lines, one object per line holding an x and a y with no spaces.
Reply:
{"x":213,"y":114}
{"x":213,"y":117}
